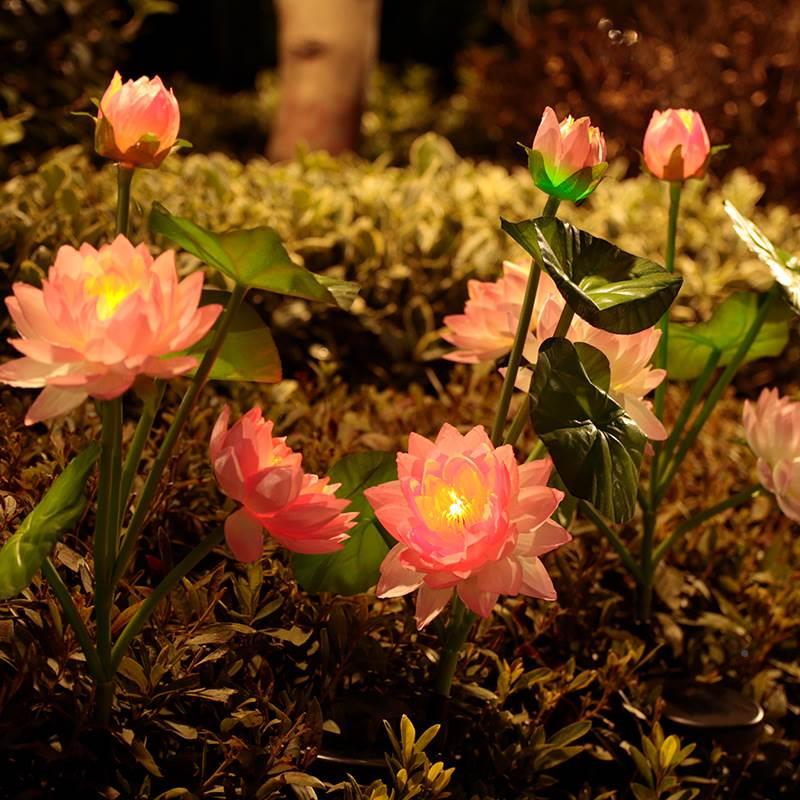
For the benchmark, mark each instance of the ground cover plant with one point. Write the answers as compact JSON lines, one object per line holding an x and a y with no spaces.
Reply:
{"x":193,"y":675}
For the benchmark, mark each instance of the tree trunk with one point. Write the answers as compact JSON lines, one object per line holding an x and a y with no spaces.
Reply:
{"x":327,"y":49}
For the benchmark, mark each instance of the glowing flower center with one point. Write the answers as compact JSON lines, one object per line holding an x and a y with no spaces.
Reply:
{"x":687,"y":118}
{"x":566,"y":124}
{"x":458,"y":509}
{"x":110,"y":289}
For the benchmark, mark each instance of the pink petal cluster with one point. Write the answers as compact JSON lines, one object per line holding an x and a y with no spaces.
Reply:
{"x":101,"y":318}
{"x":676,"y":145}
{"x":485,"y":331}
{"x":467,"y":518}
{"x":568,"y":151}
{"x":137,"y":122}
{"x":266,"y":476}
{"x":772,"y":426}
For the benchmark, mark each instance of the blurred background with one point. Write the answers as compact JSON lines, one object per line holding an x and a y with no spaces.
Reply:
{"x":372,"y":76}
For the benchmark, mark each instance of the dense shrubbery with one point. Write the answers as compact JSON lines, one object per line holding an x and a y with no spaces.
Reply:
{"x":410,"y":236}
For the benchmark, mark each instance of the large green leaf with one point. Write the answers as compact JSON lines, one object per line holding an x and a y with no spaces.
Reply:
{"x":785,"y":267}
{"x":254,"y":257}
{"x":60,"y":508}
{"x":609,"y":288}
{"x":248,"y":352}
{"x":355,"y":568}
{"x":596,"y":447}
{"x":690,"y":346}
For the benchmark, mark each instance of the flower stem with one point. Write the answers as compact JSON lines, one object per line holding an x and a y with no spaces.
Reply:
{"x":720,"y":386}
{"x":520,"y":420}
{"x":74,"y":618}
{"x":461,"y":619}
{"x":107,"y":526}
{"x":523,"y":327}
{"x":174,"y":432}
{"x":698,"y":519}
{"x":176,"y":574}
{"x":124,"y":178}
{"x":564,"y":321}
{"x":672,"y":229}
{"x":142,"y":432}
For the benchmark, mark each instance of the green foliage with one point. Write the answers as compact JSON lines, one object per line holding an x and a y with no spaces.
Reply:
{"x":609,"y":288}
{"x":254,"y":258}
{"x":596,"y":447}
{"x":657,"y":763}
{"x":248,"y":352}
{"x":56,"y":513}
{"x":690,"y":346}
{"x":576,"y":187}
{"x":355,"y":568}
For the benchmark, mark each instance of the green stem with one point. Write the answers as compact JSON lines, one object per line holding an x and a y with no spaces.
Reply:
{"x":138,"y":620}
{"x":720,"y":386}
{"x":107,"y":527}
{"x":103,"y":701}
{"x":523,"y":326}
{"x":124,"y":178}
{"x":551,"y":206}
{"x":698,"y":387}
{"x":461,"y":620}
{"x":538,"y":451}
{"x":564,"y":321}
{"x":520,"y":420}
{"x":74,"y":618}
{"x":613,"y":539}
{"x":672,"y":228}
{"x":647,"y":565}
{"x":698,"y":519}
{"x":174,"y":432}
{"x":140,"y":436}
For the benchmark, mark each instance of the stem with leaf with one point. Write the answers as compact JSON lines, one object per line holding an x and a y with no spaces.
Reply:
{"x":124,"y":178}
{"x":523,"y":326}
{"x":458,"y":628}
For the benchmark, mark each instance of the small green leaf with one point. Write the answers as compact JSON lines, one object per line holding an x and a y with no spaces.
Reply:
{"x":255,"y":258}
{"x":248,"y":352}
{"x":571,"y":733}
{"x":356,"y":567}
{"x":596,"y":447}
{"x":606,"y":286}
{"x":57,"y":512}
{"x":690,"y":346}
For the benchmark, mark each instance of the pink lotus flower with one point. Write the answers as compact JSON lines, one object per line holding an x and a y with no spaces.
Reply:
{"x":772,"y":426}
{"x":486,"y":329}
{"x":262,"y":473}
{"x":676,"y":145}
{"x":467,"y":518}
{"x":101,"y":318}
{"x":137,"y":122}
{"x":567,"y":159}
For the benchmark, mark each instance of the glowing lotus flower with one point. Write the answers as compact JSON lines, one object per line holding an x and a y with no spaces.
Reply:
{"x":101,"y":318}
{"x":676,"y":145}
{"x":772,"y":425}
{"x":486,"y":329}
{"x":137,"y":122}
{"x":467,"y":518}
{"x":262,"y":473}
{"x":567,"y":159}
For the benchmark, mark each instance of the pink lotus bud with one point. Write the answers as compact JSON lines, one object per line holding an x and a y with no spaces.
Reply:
{"x":568,"y":159}
{"x":676,"y":145}
{"x":262,"y":473}
{"x":101,"y":319}
{"x":467,"y":518}
{"x":137,"y":122}
{"x":772,"y":426}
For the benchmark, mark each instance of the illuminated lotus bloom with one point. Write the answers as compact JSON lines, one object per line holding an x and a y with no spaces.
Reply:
{"x":486,"y":329}
{"x":137,"y":122}
{"x":467,"y":518}
{"x":772,"y":425}
{"x":266,"y":476}
{"x":629,"y":356}
{"x":676,"y":145}
{"x":101,"y":318}
{"x":567,"y":159}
